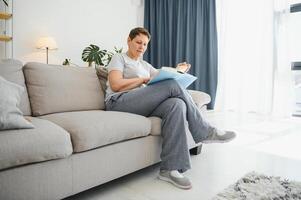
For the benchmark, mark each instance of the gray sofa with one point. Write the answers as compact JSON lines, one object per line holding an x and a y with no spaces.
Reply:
{"x":75,"y":144}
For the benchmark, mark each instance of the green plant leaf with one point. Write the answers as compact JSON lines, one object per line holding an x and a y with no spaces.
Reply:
{"x":92,"y":54}
{"x":118,"y":50}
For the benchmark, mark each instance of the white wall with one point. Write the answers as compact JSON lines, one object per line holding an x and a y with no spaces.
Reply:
{"x":74,"y":24}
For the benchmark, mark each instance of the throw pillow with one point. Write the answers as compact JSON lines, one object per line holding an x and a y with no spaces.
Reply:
{"x":11,"y":117}
{"x":102,"y":74}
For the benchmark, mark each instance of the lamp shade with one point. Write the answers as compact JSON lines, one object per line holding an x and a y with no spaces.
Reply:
{"x":45,"y":42}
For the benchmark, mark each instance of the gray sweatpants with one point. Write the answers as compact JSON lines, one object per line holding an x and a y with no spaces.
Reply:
{"x":174,"y":105}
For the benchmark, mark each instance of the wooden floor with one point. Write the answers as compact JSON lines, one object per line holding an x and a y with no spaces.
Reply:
{"x":264,"y":144}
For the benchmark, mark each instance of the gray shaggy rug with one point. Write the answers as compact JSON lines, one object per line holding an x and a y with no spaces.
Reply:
{"x":254,"y":186}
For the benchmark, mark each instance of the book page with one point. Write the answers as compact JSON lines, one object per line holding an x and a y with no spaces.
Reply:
{"x":166,"y":73}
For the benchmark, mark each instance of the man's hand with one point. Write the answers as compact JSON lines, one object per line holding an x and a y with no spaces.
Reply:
{"x":183,"y":67}
{"x":146,"y":80}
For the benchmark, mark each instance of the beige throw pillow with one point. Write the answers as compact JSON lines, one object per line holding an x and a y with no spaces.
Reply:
{"x":11,"y":117}
{"x":102,"y":73}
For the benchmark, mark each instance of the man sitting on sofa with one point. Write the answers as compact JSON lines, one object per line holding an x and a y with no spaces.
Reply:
{"x":126,"y":92}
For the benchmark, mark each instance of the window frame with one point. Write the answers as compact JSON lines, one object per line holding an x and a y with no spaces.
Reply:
{"x":295,"y":8}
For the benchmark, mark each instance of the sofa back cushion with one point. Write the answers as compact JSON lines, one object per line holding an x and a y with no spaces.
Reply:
{"x":55,"y":88}
{"x":11,"y":70}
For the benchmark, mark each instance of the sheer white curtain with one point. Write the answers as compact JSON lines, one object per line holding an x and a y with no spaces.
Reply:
{"x":283,"y":97}
{"x":254,"y":70}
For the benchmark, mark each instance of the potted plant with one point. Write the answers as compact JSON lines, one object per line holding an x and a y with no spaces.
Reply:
{"x":67,"y":62}
{"x":94,"y":54}
{"x":110,"y":54}
{"x":102,"y":57}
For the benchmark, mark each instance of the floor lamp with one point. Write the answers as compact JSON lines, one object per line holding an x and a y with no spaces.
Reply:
{"x":47,"y":43}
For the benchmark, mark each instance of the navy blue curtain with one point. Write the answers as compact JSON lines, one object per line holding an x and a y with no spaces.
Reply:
{"x":184,"y":30}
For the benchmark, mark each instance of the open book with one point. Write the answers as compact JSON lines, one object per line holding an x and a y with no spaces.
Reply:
{"x":166,"y":73}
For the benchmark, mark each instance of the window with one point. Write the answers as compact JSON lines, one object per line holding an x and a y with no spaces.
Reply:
{"x":295,"y":49}
{"x":295,"y":31}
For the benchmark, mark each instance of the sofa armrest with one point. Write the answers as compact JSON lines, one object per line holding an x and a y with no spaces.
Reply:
{"x":200,"y":98}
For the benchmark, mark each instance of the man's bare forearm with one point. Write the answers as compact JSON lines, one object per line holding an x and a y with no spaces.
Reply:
{"x":127,"y":84}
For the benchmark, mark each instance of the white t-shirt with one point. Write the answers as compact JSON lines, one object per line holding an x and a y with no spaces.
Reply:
{"x":130,"y":69}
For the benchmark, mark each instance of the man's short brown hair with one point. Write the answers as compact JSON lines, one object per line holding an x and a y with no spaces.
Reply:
{"x":139,"y":30}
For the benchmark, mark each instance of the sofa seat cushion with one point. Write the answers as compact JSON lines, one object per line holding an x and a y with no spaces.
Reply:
{"x":46,"y":141}
{"x":92,"y":129}
{"x":155,"y":125}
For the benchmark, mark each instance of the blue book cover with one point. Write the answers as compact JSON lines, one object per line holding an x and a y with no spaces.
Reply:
{"x":166,"y":73}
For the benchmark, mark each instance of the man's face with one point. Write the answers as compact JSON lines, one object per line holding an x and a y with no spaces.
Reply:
{"x":138,"y":45}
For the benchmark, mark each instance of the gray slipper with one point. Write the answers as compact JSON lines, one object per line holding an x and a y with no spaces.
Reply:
{"x":183,"y":183}
{"x":219,"y":136}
